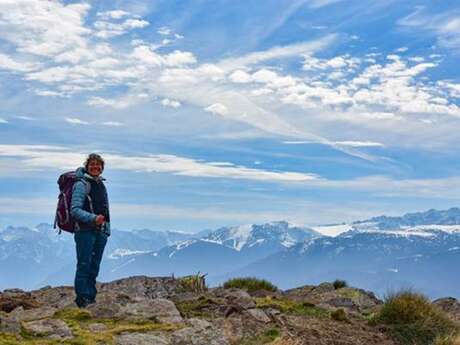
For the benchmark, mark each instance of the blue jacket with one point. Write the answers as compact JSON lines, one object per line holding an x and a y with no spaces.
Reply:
{"x":85,"y":220}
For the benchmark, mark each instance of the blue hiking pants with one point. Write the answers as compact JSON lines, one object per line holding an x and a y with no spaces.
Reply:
{"x":90,"y":247}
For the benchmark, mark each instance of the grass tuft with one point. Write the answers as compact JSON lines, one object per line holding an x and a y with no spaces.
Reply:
{"x":338,"y":284}
{"x":412,"y":319}
{"x":340,"y":315}
{"x":250,"y":284}
{"x":193,"y":283}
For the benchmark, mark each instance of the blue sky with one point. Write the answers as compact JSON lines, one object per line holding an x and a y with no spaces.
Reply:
{"x":214,"y":113}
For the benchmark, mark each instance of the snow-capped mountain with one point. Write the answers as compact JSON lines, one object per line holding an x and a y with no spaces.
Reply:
{"x":223,"y":250}
{"x":246,"y":236}
{"x":417,"y":249}
{"x":374,"y":255}
{"x":34,"y":257}
{"x":421,"y":223}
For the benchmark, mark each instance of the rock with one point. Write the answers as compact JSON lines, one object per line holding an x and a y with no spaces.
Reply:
{"x":107,"y":306}
{"x":324,"y":287}
{"x":259,"y":315}
{"x":97,"y":327}
{"x":32,"y":314}
{"x":449,"y":305}
{"x":50,"y":328}
{"x":9,"y":325}
{"x":142,"y":287}
{"x":201,"y":332}
{"x":342,"y":302}
{"x":12,"y":298}
{"x":237,"y":298}
{"x":159,"y":309}
{"x":140,"y":339}
{"x":58,"y":297}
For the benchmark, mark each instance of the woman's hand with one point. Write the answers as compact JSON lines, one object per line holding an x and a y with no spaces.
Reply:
{"x":100,"y":219}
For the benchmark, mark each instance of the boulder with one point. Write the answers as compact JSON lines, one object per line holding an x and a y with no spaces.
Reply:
{"x":9,"y":325}
{"x":258,"y":315}
{"x":12,"y":298}
{"x":32,"y":314}
{"x":449,"y":305}
{"x":158,"y":309}
{"x":49,"y":328}
{"x":140,"y":339}
{"x":200,"y":332}
{"x":141,"y":287}
{"x":237,"y":298}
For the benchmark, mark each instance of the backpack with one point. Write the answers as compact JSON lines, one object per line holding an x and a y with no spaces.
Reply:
{"x":63,"y":219}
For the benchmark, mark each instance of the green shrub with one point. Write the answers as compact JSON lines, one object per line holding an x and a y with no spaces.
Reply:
{"x":338,"y":284}
{"x":250,"y":284}
{"x":340,"y":315}
{"x":412,"y":319}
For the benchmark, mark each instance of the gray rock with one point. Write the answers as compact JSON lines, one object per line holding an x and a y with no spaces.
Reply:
{"x":159,"y":309}
{"x":108,"y":306}
{"x":342,"y":302}
{"x":140,"y":339}
{"x":32,"y":314}
{"x":58,"y":297}
{"x":201,"y":332}
{"x":259,"y":315}
{"x":9,"y":325}
{"x":324,"y":287}
{"x":50,"y":328}
{"x":142,"y":287}
{"x":238,"y":298}
{"x":449,"y":305}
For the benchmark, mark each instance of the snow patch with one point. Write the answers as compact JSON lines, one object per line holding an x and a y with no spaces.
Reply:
{"x":332,"y":230}
{"x":121,"y":252}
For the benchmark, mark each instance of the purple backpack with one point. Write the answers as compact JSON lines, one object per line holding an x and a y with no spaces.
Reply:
{"x":64,"y":220}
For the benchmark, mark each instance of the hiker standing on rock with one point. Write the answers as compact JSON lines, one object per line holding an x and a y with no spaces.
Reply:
{"x":90,"y":209}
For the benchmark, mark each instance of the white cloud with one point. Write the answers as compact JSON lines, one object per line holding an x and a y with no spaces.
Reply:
{"x":446,"y":26}
{"x":108,"y":29}
{"x":217,"y":108}
{"x":164,"y":30}
{"x":112,"y":124}
{"x":118,"y":103}
{"x":277,"y":53}
{"x":43,"y":27}
{"x":179,"y":58}
{"x":26,"y":118}
{"x":166,"y":102}
{"x":322,"y":3}
{"x":402,"y":49}
{"x":240,"y":76}
{"x":115,"y":14}
{"x":45,"y":157}
{"x":360,"y":143}
{"x":6,"y":62}
{"x":3,"y":120}
{"x":76,"y":121}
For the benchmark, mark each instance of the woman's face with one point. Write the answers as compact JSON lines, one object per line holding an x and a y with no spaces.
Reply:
{"x":94,"y":168}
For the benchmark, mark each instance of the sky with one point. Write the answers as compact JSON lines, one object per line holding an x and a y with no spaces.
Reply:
{"x":226,"y":112}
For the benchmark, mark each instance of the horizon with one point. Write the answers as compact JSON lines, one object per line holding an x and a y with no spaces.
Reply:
{"x":290,"y":224}
{"x":213,"y":113}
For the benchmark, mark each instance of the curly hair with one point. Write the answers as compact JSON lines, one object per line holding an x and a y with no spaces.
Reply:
{"x":94,"y":156}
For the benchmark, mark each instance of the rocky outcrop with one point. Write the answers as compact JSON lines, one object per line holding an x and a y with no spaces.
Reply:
{"x":144,"y":310}
{"x":449,"y":305}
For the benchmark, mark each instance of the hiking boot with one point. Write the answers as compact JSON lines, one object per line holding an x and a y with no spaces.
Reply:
{"x":83,"y":302}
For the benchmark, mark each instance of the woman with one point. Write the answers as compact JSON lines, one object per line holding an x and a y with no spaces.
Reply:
{"x":90,"y":210}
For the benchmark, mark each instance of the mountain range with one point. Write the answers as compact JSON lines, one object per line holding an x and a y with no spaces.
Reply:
{"x":420,"y":250}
